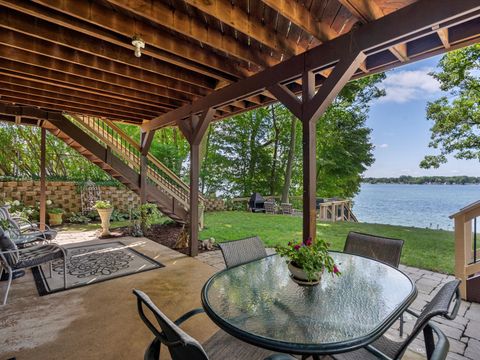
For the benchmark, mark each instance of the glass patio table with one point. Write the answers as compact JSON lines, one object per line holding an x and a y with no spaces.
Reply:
{"x":259,"y":303}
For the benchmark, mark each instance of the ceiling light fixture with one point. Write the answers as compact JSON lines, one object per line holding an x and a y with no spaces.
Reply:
{"x":139,"y":44}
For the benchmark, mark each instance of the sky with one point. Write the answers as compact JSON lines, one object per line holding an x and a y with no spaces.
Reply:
{"x":401,"y":132}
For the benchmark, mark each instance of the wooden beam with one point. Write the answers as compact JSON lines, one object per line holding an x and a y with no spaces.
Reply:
{"x":232,"y":15}
{"x":45,"y":23}
{"x":36,"y":52}
{"x":367,"y":11}
{"x":301,"y":17}
{"x":43,"y":174}
{"x":56,"y":107}
{"x":201,"y":127}
{"x":341,"y":74}
{"x":406,"y":24}
{"x":13,"y":88}
{"x":17,"y":83}
{"x":444,"y":38}
{"x":146,"y":142}
{"x":22,"y":61}
{"x":286,"y":97}
{"x":85,"y":85}
{"x":194,"y":198}
{"x":178,"y":21}
{"x":143,"y":172}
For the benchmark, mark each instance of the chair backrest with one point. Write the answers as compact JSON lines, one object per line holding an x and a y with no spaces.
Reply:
{"x":269,"y":207}
{"x":242,"y":251}
{"x":6,"y":244}
{"x":375,"y":247}
{"x":180,"y":345}
{"x":441,"y":303}
{"x":286,"y":208}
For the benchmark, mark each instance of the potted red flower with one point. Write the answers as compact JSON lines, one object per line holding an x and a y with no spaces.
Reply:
{"x":307,"y":261}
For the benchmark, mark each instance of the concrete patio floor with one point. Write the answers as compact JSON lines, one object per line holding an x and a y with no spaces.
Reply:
{"x":100,"y":321}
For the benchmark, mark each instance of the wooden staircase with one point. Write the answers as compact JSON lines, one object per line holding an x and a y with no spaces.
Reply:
{"x":107,"y":146}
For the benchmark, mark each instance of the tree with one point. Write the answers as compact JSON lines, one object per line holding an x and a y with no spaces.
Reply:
{"x":344,"y":149}
{"x":456,"y":117}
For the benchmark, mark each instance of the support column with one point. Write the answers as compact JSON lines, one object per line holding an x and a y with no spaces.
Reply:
{"x":309,"y":109}
{"x":193,"y":130}
{"x":43,"y":185}
{"x":194,"y":184}
{"x":143,"y":171}
{"x":309,"y":136}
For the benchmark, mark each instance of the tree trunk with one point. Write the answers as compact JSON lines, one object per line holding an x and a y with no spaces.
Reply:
{"x":289,"y":168}
{"x":275,"y":151}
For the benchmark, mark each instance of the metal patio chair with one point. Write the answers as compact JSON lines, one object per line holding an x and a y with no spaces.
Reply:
{"x":180,"y":345}
{"x":23,"y":232}
{"x":12,"y":258}
{"x":379,"y":248}
{"x":239,"y":252}
{"x":270,"y":207}
{"x":387,"y":349}
{"x":287,"y":209}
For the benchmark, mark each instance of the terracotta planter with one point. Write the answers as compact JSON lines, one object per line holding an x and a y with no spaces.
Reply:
{"x":105,"y":215}
{"x":55,"y":219}
{"x":300,"y":277}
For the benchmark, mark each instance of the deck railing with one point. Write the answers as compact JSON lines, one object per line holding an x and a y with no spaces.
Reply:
{"x":110,"y":135}
{"x":467,"y":253}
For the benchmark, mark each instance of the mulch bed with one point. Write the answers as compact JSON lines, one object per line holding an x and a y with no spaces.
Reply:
{"x":165,"y":234}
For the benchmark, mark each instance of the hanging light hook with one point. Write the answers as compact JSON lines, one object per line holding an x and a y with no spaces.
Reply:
{"x":139,"y":44}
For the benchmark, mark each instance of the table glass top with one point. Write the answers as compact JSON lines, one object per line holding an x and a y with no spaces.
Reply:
{"x":260,"y":299}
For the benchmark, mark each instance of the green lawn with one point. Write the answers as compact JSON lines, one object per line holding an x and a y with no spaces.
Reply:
{"x":423,"y":248}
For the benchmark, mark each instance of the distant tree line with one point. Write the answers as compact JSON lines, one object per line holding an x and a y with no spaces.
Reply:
{"x":404,"y":179}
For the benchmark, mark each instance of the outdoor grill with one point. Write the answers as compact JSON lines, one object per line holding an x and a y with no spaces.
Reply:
{"x":256,"y":203}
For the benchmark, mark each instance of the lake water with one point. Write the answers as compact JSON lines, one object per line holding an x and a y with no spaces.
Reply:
{"x":413,"y":205}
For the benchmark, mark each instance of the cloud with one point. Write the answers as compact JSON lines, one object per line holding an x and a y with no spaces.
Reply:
{"x":382,"y":146}
{"x":407,"y":85}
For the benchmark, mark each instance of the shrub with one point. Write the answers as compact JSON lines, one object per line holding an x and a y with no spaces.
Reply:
{"x":103,"y":204}
{"x":78,"y":219}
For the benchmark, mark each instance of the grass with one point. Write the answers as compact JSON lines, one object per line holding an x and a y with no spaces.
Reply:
{"x":423,"y":248}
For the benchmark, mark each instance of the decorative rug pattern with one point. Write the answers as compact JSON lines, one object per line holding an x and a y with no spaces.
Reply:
{"x":90,"y":264}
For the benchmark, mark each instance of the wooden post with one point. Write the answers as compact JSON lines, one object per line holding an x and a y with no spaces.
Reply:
{"x":309,"y":135}
{"x":194,"y":184}
{"x":143,"y":171}
{"x":193,"y":132}
{"x":43,"y":185}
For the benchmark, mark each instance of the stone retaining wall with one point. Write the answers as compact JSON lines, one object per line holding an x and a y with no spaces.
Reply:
{"x":66,"y":195}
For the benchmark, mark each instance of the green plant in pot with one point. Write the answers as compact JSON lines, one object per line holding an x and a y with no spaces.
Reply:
{"x":308,"y":260}
{"x":104,"y":209}
{"x":55,"y":216}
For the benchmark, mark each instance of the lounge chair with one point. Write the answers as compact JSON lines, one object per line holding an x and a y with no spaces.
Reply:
{"x":23,"y":232}
{"x":239,"y":252}
{"x":387,"y":349}
{"x":12,"y":258}
{"x":180,"y":345}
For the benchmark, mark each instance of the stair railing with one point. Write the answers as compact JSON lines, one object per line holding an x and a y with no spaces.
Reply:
{"x":112,"y":136}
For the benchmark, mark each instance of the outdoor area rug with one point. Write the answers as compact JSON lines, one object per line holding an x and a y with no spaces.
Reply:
{"x":90,"y":264}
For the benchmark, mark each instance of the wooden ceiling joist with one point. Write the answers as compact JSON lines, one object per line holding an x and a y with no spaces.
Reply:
{"x":37,"y":65}
{"x":235,"y":17}
{"x":53,"y":27}
{"x":367,"y":11}
{"x":23,"y":48}
{"x":301,"y":17}
{"x":77,"y":55}
{"x":44,"y":90}
{"x":371,"y":38}
{"x":176,"y":20}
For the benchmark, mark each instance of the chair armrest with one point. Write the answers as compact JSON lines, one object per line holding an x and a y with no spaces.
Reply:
{"x":377,"y":353}
{"x":458,"y":301}
{"x":30,"y":248}
{"x":188,"y":315}
{"x":442,"y":346}
{"x":20,"y":220}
